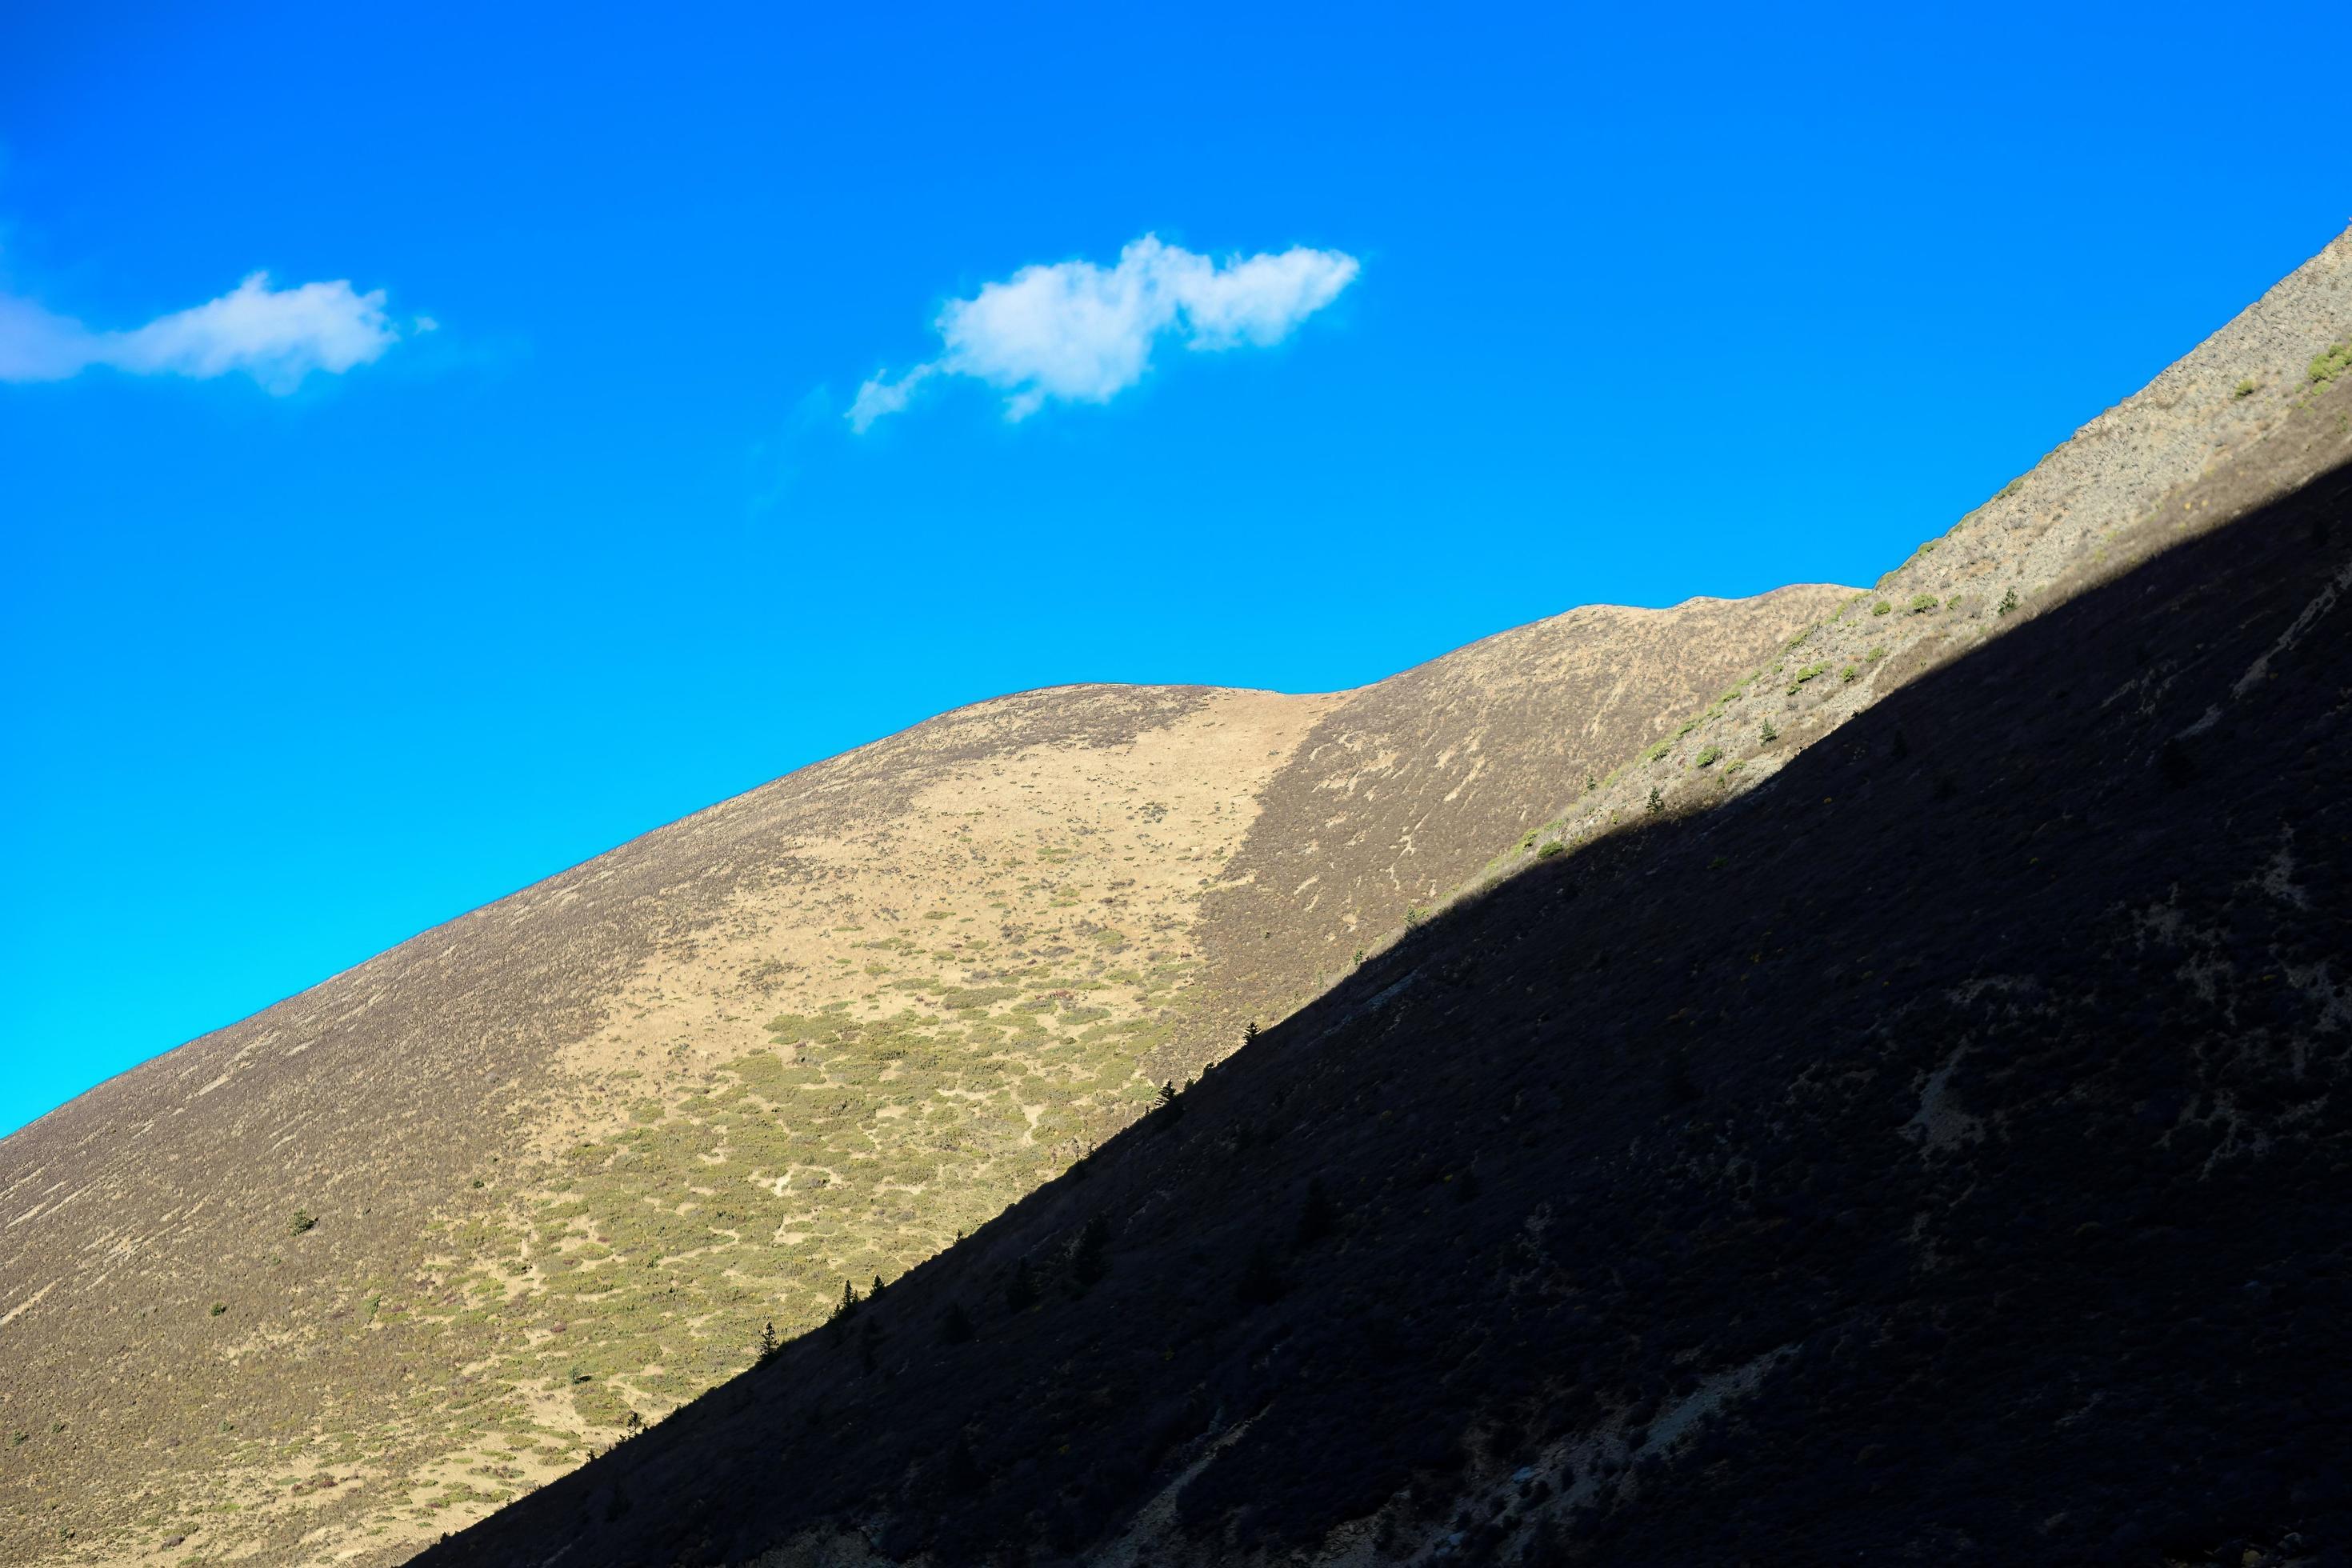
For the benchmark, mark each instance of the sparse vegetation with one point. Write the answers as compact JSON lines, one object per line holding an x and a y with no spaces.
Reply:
{"x":1318,"y":1217}
{"x":1260,"y":1283}
{"x":923,"y":1070}
{"x":1089,"y":1259}
{"x":2330,"y":362}
{"x":1021,"y":1289}
{"x":1762,"y":1177}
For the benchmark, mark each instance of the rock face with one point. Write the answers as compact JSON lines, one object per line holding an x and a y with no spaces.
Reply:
{"x":1908,"y":1120}
{"x":403,"y":1247}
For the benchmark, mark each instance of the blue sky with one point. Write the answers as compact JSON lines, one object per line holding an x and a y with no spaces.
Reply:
{"x":1635,"y":308}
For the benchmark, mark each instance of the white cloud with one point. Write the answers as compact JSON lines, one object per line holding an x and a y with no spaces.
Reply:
{"x":277,"y":336}
{"x":878,"y":396}
{"x":1084,"y":333}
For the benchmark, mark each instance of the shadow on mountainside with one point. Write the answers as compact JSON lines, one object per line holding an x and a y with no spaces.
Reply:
{"x":1939,"y":1153}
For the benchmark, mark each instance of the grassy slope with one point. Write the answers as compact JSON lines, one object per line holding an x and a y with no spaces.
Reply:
{"x":2132,"y":487}
{"x":568,"y":1154}
{"x":1931,"y":1153}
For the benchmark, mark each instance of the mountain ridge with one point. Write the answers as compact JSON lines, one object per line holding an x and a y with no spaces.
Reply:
{"x":1316,"y":1419}
{"x":804,"y":1036}
{"x":427,"y":1111}
{"x":1936,"y":1169}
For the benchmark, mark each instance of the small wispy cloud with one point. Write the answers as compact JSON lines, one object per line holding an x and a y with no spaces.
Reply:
{"x":277,"y":336}
{"x":1082,"y":334}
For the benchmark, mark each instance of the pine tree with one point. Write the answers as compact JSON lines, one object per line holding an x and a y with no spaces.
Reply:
{"x":1260,"y":1285}
{"x":768,"y":1343}
{"x":1317,"y":1218}
{"x":1020,"y":1291}
{"x":1169,"y":1110}
{"x":842,"y":1310}
{"x":1090,"y":1253}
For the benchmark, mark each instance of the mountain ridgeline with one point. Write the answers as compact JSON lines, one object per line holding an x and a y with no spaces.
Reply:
{"x":1904,"y":1118}
{"x":351,"y":1274}
{"x":1946,"y":1166}
{"x":1838,"y":1076}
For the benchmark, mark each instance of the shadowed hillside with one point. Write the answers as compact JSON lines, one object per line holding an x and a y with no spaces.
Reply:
{"x":1934,"y":1153}
{"x":358,"y":1270}
{"x":363,"y":1267}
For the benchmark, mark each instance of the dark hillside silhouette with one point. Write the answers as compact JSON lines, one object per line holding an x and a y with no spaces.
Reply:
{"x":1938,"y":1155}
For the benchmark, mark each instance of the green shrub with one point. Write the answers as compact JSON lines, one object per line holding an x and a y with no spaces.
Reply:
{"x":219,"y":1307}
{"x":1882,"y":608}
{"x":1923,"y":602}
{"x":2245,"y":388}
{"x":2008,"y":602}
{"x":1020,"y":1290}
{"x":1554,"y":848}
{"x":1848,"y":674}
{"x":1658,"y":802}
{"x":1260,"y":1285}
{"x":1807,"y":673}
{"x":846,"y":1307}
{"x":2325,"y":367}
{"x":1707,"y":755}
{"x":1318,"y":1217}
{"x":302,"y":1222}
{"x":955,"y":1326}
{"x":1768,"y":734}
{"x":1090,"y":1253}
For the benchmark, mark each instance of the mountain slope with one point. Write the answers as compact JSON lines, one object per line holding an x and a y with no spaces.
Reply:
{"x":333,"y":1280}
{"x":1932,"y":1154}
